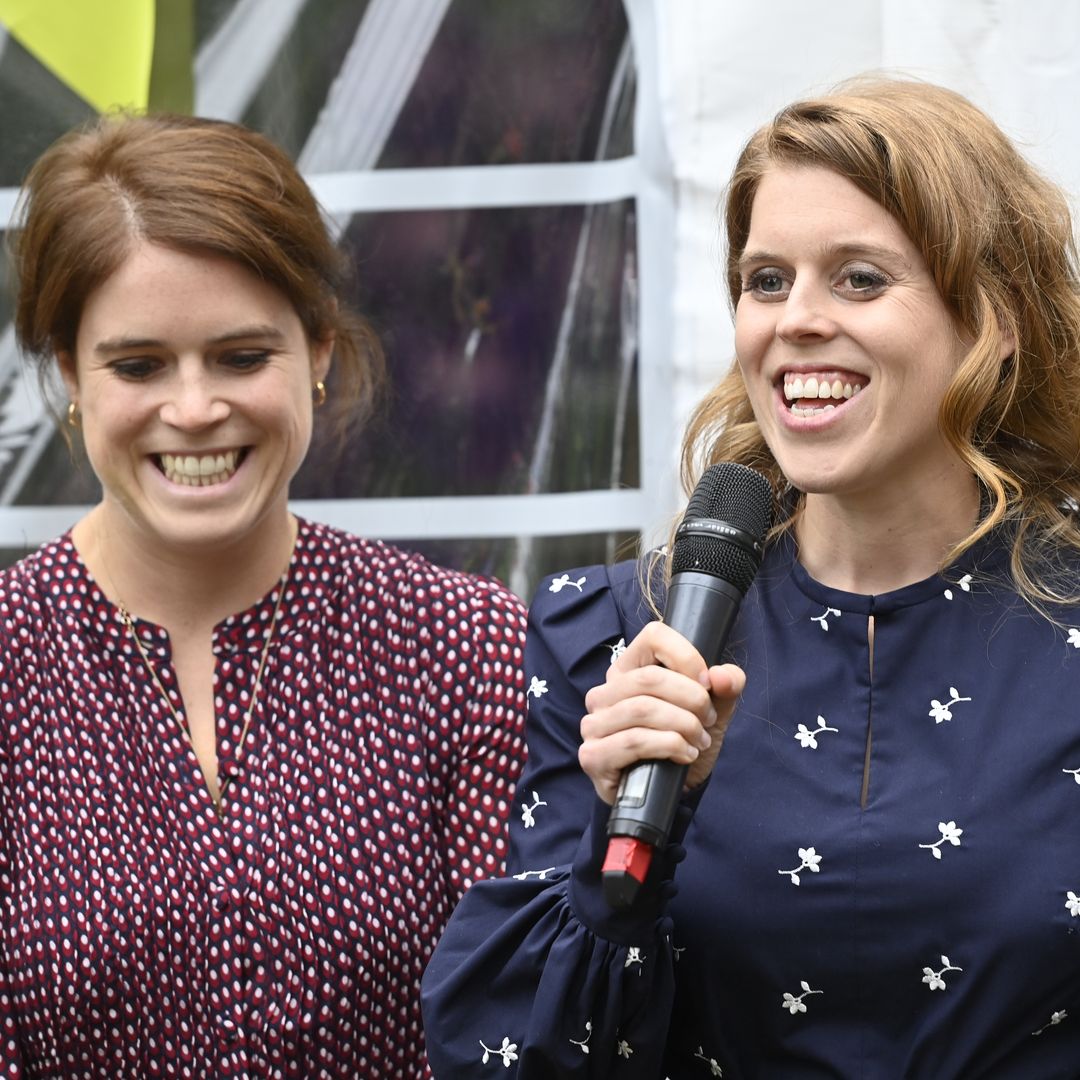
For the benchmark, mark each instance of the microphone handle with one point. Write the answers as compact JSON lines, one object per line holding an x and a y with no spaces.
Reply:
{"x":702,"y":608}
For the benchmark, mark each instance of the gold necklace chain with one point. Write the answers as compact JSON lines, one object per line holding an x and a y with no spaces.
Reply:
{"x":219,"y":798}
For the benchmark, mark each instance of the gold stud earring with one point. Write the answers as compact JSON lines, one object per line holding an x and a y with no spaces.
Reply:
{"x":73,"y":415}
{"x":318,"y":394}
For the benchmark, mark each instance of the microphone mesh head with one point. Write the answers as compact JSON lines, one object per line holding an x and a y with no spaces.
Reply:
{"x":738,"y":496}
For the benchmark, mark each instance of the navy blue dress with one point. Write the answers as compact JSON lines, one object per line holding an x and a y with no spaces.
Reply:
{"x":881,"y":877}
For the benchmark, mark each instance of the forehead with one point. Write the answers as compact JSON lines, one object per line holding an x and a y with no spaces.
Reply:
{"x":148,"y":266}
{"x":804,"y":203}
{"x":168,"y":289}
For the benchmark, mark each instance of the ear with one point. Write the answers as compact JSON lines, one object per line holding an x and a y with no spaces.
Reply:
{"x":1008,"y":343}
{"x":321,"y":352}
{"x":1008,"y":337}
{"x":65,"y":361}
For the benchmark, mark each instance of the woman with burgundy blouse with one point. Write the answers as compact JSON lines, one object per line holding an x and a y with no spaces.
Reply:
{"x":248,"y":763}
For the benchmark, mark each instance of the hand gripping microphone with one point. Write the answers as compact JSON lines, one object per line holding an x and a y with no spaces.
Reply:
{"x":718,"y":548}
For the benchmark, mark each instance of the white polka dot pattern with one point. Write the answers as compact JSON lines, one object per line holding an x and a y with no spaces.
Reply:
{"x":143,"y":936}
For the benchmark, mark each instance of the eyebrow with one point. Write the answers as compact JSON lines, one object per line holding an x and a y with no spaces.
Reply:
{"x":845,"y":250}
{"x":256,"y":331}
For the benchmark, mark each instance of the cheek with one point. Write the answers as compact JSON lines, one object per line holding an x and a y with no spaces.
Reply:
{"x":751,"y":337}
{"x":110,"y":424}
{"x":301,"y":423}
{"x":748,"y":359}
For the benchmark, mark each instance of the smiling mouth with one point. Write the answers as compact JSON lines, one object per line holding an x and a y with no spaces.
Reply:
{"x":808,"y":395}
{"x":200,"y":470}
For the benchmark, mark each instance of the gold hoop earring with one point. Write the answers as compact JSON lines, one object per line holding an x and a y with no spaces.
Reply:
{"x":73,"y":415}
{"x":318,"y":394}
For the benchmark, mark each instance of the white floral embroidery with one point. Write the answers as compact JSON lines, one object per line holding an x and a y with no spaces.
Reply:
{"x":508,"y":1051}
{"x":942,"y":712}
{"x":964,"y":583}
{"x":527,"y":811}
{"x":808,"y":738}
{"x":617,"y":649}
{"x":1074,"y":773}
{"x":633,"y":956}
{"x":540,"y":875}
{"x":584,"y":1043}
{"x":1074,"y":637}
{"x":795,"y":1004}
{"x":624,"y":1049}
{"x":714,"y":1065}
{"x":811,"y":861}
{"x":677,"y":952}
{"x":537,"y":688}
{"x":1055,"y":1018}
{"x":1073,"y":903}
{"x":934,"y":979}
{"x":823,"y":619}
{"x":560,"y":583}
{"x":949,"y":832}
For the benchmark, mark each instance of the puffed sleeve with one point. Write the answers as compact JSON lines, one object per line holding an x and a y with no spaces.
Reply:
{"x":535,"y":971}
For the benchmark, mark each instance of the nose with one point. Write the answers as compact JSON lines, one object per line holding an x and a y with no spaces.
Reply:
{"x":805,"y":315}
{"x":192,"y":401}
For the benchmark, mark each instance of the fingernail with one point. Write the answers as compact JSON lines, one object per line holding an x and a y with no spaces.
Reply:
{"x":705,"y":741}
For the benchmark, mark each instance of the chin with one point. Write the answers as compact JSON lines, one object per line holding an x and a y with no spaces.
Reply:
{"x":810,"y":479}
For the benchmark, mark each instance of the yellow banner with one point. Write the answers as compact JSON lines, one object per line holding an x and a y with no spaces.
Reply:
{"x":102,"y":49}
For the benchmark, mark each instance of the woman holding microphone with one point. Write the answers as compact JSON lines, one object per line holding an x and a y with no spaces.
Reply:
{"x":875,"y":870}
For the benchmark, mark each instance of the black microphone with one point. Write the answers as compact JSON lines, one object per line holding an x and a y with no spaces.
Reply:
{"x":717,"y":551}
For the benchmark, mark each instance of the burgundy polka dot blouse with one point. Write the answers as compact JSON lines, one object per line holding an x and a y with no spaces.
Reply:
{"x":144,"y":936}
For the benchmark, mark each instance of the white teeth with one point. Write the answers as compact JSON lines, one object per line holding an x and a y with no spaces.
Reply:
{"x":798,"y":388}
{"x":191,"y":471}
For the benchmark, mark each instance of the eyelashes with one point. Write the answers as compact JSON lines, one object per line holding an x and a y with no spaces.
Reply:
{"x":852,"y":282}
{"x":761,"y":281}
{"x":247,"y":360}
{"x":140,"y":368}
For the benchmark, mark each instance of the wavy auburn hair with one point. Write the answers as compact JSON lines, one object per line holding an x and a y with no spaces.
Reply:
{"x":195,"y":185}
{"x":997,"y":238}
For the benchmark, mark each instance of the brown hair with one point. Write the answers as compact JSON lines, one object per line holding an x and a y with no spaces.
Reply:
{"x":997,"y":238}
{"x":196,"y":185}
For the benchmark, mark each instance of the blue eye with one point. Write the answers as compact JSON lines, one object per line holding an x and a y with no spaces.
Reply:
{"x":863,"y":280}
{"x":766,"y":282}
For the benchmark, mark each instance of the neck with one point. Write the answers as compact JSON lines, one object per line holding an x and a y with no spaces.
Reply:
{"x":182,"y":589}
{"x":879,"y":542}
